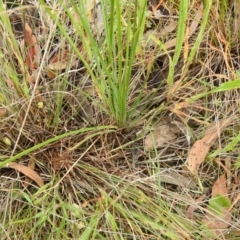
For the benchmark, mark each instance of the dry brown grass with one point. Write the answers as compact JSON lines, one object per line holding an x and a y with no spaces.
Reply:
{"x":101,"y":182}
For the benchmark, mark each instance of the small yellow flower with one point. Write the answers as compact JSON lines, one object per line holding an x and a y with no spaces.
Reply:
{"x":40,"y":105}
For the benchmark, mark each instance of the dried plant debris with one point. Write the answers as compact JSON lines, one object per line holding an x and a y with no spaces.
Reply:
{"x":28,"y":172}
{"x":56,"y":123}
{"x":201,"y":147}
{"x":218,"y":216}
{"x":163,"y":133}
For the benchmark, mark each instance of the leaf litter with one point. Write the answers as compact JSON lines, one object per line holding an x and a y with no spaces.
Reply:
{"x":201,"y":147}
{"x":33,"y":53}
{"x":27,"y":171}
{"x":161,"y":135}
{"x":60,"y":61}
{"x":220,"y":220}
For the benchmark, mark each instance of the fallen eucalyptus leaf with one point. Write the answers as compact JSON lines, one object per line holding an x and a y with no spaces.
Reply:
{"x":28,"y":172}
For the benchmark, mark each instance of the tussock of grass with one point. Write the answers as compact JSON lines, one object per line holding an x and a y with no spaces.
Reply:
{"x":84,"y":125}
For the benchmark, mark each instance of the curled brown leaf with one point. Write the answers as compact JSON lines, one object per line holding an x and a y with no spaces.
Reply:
{"x":28,"y":172}
{"x":32,"y":48}
{"x":201,"y":147}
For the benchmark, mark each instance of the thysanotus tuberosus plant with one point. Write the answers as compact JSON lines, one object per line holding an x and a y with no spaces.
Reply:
{"x":106,"y":107}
